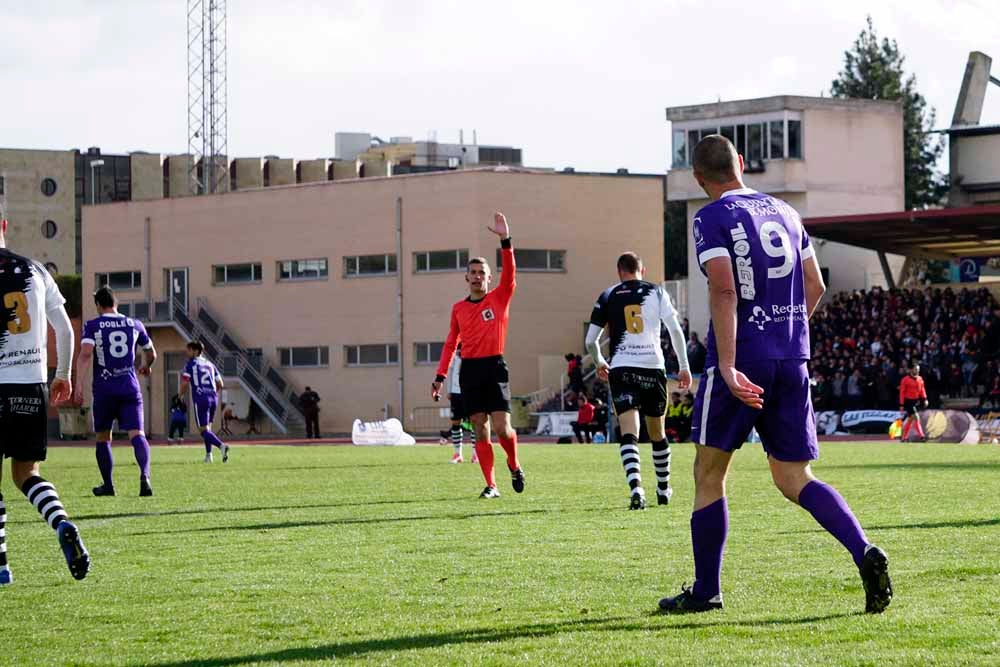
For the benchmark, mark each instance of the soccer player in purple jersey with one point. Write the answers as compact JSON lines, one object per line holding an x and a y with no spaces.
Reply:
{"x":206,"y":383}
{"x":108,"y":344}
{"x":764,"y":283}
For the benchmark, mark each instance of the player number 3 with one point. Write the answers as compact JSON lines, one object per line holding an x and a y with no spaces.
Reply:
{"x":633,"y":319}
{"x":20,"y":323}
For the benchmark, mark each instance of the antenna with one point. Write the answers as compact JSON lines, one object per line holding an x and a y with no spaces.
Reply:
{"x":207,"y":96}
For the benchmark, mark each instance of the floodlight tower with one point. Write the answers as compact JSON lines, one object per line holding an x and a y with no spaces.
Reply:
{"x":207,"y":113}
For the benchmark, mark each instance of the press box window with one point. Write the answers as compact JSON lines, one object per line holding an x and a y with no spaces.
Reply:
{"x":369,"y":265}
{"x":303,"y":269}
{"x":235,"y":274}
{"x":371,"y":355}
{"x":304,"y":357}
{"x":119,"y":280}
{"x":440,"y":260}
{"x":427,"y":353}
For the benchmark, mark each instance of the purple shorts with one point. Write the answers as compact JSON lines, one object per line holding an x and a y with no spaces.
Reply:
{"x":786,"y":425}
{"x":126,"y":409}
{"x":204,"y":411}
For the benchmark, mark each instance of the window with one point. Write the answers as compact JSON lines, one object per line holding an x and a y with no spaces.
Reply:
{"x":303,"y":269}
{"x":233,"y":274}
{"x":537,"y":260}
{"x":427,"y":353}
{"x":680,"y":158}
{"x":741,"y":140}
{"x":369,"y":265}
{"x":49,"y":187}
{"x":795,"y":139}
{"x":777,"y":140}
{"x":2,"y":186}
{"x":729,"y":132}
{"x":371,"y":355}
{"x":49,"y":229}
{"x":304,"y":357}
{"x":440,"y":260}
{"x":119,"y":280}
{"x":755,"y":142}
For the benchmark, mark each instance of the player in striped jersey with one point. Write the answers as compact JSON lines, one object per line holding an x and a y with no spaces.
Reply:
{"x":30,"y":299}
{"x":633,"y":310}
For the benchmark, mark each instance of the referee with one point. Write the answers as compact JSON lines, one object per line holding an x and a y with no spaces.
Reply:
{"x":479,"y":323}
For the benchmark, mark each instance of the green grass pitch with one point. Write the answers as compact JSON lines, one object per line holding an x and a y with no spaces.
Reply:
{"x":330,"y":555}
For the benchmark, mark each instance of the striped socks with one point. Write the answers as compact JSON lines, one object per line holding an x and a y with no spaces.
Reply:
{"x":629,"y":450}
{"x":43,"y":496}
{"x":661,"y":462}
{"x":3,"y":534}
{"x":456,"y":439}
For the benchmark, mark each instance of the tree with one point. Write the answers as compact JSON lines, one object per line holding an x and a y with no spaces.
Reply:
{"x":71,"y":287}
{"x":873,"y":70}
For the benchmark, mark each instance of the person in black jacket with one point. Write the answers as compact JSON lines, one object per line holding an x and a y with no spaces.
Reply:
{"x":309,"y":400}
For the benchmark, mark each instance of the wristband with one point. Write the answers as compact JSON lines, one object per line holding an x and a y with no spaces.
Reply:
{"x":439,"y":378}
{"x":505,"y":243}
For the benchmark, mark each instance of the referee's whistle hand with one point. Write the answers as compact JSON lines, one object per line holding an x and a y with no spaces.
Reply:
{"x":436,"y":391}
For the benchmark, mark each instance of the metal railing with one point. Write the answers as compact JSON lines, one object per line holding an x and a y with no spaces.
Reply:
{"x":270,"y":390}
{"x":430,"y":419}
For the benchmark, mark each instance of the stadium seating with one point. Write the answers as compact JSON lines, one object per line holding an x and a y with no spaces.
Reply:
{"x":876,"y":335}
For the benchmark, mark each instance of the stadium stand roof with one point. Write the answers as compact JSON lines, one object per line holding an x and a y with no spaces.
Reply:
{"x":945,"y":233}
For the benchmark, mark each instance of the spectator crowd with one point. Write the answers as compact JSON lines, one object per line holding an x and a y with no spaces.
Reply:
{"x":864,"y":342}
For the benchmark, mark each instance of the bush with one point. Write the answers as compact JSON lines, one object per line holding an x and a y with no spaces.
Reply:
{"x":71,"y":286}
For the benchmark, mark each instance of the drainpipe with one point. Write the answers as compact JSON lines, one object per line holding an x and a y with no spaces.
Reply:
{"x":147,"y":244}
{"x":399,"y":308}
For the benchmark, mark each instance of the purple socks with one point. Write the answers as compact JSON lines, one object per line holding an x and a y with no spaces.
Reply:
{"x":141,"y":447}
{"x":709,"y":527}
{"x":831,"y":511}
{"x":210,"y":439}
{"x":105,"y":462}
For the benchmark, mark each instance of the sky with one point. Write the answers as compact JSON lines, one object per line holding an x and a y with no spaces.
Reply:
{"x":579,"y":83}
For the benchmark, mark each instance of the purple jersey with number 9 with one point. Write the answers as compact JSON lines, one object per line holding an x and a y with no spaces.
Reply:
{"x":763,"y":238}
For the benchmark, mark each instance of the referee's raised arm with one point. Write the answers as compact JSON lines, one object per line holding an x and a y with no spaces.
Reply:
{"x":508,"y":272}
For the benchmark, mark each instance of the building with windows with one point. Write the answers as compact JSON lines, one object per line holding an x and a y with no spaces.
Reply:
{"x":347,"y":286}
{"x":44,"y":191}
{"x":824,"y":156}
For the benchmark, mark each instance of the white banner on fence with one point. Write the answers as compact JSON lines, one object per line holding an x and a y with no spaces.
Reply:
{"x":388,"y":432}
{"x":555,"y":423}
{"x":855,"y":417}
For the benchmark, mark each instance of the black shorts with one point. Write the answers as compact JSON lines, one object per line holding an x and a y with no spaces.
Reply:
{"x":911,"y":406}
{"x":24,"y":421}
{"x":485,"y":385}
{"x":642,"y":389}
{"x":457,"y":407}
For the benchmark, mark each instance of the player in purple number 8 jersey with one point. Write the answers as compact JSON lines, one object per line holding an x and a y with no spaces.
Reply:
{"x":206,"y":382}
{"x":108,"y":343}
{"x":764,"y":283}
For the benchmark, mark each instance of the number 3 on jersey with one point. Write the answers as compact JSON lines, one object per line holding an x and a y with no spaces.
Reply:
{"x":20,"y":323}
{"x":633,"y":319}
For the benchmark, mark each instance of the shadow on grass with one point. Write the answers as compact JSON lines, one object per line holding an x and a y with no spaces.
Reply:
{"x":368,"y":647}
{"x":238,"y":510}
{"x":923,"y":465}
{"x":345,"y":522}
{"x":967,"y":523}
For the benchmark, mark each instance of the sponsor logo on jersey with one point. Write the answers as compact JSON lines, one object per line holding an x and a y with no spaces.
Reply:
{"x":744,"y":268}
{"x":698,"y":238}
{"x":759,"y":317}
{"x":488,"y":315}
